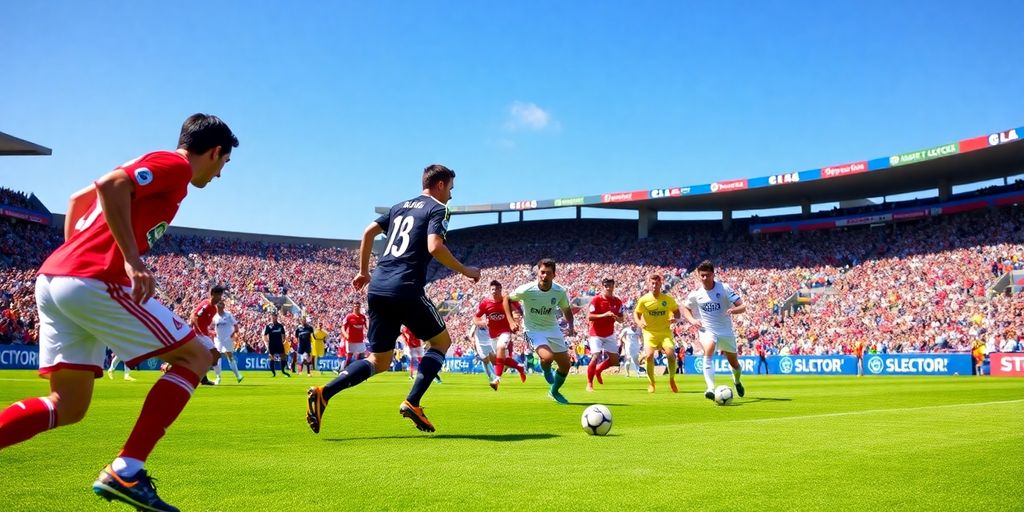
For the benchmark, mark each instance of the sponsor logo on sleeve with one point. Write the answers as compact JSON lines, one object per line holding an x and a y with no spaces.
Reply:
{"x":143,"y":176}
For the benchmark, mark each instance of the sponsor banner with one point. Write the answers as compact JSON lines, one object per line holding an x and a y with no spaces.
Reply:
{"x":19,"y":357}
{"x":836,"y":171}
{"x":23,"y":214}
{"x":812,"y":365}
{"x":1003,"y":137}
{"x":925,"y":154}
{"x":974,"y":144}
{"x":1006,"y":364}
{"x":570,"y":201}
{"x":775,"y":228}
{"x":624,"y":197}
{"x":816,"y":225}
{"x":523,"y":205}
{"x":864,"y":219}
{"x":965,"y":206}
{"x":1009,"y":199}
{"x":729,"y":185}
{"x":784,"y":178}
{"x":917,"y":364}
{"x":914,"y":214}
{"x":695,"y":364}
{"x":659,"y":193}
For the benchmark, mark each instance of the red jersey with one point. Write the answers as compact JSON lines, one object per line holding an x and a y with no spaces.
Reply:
{"x":161,"y":182}
{"x":204,"y":317}
{"x":604,"y":327}
{"x":497,"y":323}
{"x":410,"y":339}
{"x":354,"y":327}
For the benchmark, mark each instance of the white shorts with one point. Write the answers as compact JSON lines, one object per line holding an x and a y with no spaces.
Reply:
{"x":80,"y":317}
{"x":502,"y":340}
{"x":554,"y":340}
{"x":415,"y":352}
{"x":722,"y":343}
{"x":355,"y":349}
{"x":633,"y":349}
{"x":223,"y":347}
{"x":606,"y":343}
{"x":484,"y":349}
{"x":206,"y":342}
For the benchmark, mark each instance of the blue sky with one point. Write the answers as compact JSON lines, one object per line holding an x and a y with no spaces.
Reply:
{"x":339,"y":105}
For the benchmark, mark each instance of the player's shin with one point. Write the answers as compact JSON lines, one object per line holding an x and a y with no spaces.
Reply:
{"x":709,"y":372}
{"x":649,"y":363}
{"x":23,"y":420}
{"x":353,"y":375}
{"x":164,"y":403}
{"x":430,"y":366}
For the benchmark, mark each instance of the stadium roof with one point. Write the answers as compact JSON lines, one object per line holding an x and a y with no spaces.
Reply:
{"x":11,"y":145}
{"x":976,"y":159}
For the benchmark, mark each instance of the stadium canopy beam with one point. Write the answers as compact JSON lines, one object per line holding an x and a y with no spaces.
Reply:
{"x":13,"y":146}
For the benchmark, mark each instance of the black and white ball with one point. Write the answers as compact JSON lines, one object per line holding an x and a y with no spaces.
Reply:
{"x":596,"y":420}
{"x":723,"y":395}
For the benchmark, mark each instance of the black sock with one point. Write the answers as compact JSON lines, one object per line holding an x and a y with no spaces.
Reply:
{"x":272,"y":370}
{"x":353,"y":375}
{"x":430,"y":366}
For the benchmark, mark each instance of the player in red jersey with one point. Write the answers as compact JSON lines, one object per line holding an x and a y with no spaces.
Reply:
{"x":95,"y":291}
{"x":491,"y":314}
{"x":605,"y":310}
{"x":353,"y":330}
{"x":414,"y":347}
{"x":201,"y":320}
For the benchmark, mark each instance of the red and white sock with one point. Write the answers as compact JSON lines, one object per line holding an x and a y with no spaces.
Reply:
{"x":591,"y":370}
{"x":23,"y":420}
{"x":162,"y":406}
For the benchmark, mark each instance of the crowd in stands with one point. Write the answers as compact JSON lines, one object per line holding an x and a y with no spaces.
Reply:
{"x":914,"y":286}
{"x":14,"y":198}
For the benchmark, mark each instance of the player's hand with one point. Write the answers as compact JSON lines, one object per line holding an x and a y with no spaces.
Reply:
{"x":359,"y":281}
{"x":512,"y":324}
{"x":472,"y":273}
{"x":143,"y":281}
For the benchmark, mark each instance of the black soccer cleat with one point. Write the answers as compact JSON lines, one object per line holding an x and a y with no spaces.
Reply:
{"x":739,"y":389}
{"x":138,"y":491}
{"x":709,"y":394}
{"x":315,"y":405}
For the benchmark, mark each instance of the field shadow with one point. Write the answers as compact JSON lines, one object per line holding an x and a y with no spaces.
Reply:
{"x":588,"y":404}
{"x":497,"y":438}
{"x":754,"y":400}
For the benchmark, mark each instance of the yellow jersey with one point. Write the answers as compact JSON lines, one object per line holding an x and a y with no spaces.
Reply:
{"x":319,"y":342}
{"x":658,"y":313}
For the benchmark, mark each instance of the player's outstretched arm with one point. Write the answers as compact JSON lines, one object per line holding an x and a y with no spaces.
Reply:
{"x":738,"y":307}
{"x":507,"y":306}
{"x":440,"y":252}
{"x":567,"y":314}
{"x":690,"y":318}
{"x":115,"y":196}
{"x":365,"y":248}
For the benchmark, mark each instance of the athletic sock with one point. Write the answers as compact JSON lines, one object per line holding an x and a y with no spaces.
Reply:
{"x":234,"y":368}
{"x":649,"y":364}
{"x":216,"y":370}
{"x":499,"y":367}
{"x":353,"y":375}
{"x":736,"y":372}
{"x":126,"y":467}
{"x":709,"y":372}
{"x":672,"y":365}
{"x":430,"y":366}
{"x":23,"y":420}
{"x":602,"y":366}
{"x":559,"y":380}
{"x":164,"y":403}
{"x":591,"y":370}
{"x":489,"y":371}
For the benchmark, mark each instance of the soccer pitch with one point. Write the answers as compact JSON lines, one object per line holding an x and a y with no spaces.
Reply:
{"x":794,"y":443}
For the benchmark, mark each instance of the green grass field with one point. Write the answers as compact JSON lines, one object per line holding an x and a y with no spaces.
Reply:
{"x":794,"y":443}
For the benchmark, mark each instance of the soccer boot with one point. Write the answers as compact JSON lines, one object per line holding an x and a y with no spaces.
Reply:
{"x":558,"y":397}
{"x":416,"y":415}
{"x":138,"y":491}
{"x":739,"y":389}
{"x":494,"y":384}
{"x":315,"y":405}
{"x":709,"y":394}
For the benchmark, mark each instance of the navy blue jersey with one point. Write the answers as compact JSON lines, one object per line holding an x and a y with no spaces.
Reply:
{"x":304,"y":333}
{"x":402,"y":267}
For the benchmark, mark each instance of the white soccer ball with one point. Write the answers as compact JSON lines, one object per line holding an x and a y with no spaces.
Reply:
{"x":723,"y":395}
{"x":596,"y":420}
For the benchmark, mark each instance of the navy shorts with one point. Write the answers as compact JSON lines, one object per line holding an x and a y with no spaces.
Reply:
{"x":388,"y":314}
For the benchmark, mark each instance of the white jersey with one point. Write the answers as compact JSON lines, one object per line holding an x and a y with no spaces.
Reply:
{"x":540,"y":308}
{"x":632,"y":337}
{"x":224,"y":326}
{"x":482,"y":338}
{"x":711,"y":306}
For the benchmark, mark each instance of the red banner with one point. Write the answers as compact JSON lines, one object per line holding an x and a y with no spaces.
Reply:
{"x":1006,"y":364}
{"x":835,"y":171}
{"x":729,"y":186}
{"x":974,"y":144}
{"x":624,"y":197}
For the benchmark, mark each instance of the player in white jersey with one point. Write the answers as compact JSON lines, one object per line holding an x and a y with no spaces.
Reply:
{"x":630,"y":340}
{"x":484,"y":347}
{"x":225,"y":328}
{"x":541,"y":300}
{"x":113,"y":366}
{"x":715,"y":302}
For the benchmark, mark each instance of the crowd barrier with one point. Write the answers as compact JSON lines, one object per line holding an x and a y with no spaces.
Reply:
{"x":13,"y":357}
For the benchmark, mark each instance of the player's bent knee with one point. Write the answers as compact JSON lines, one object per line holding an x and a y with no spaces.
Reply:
{"x":70,"y":408}
{"x":192,"y":355}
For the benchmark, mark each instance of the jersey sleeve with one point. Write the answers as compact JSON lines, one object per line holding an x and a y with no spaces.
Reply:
{"x":518,"y":293}
{"x":672,"y":304}
{"x":437,"y":224}
{"x":729,"y":292}
{"x":563,"y":299}
{"x":384,"y":221}
{"x":479,"y":310}
{"x":157,"y":172}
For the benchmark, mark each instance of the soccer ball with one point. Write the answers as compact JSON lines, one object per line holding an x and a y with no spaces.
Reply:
{"x":596,"y":420}
{"x":723,"y":395}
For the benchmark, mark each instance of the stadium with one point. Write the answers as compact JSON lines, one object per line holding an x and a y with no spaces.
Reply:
{"x":927,"y":288}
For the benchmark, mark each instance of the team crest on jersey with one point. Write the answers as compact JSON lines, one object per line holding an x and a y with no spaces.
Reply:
{"x":154,"y":234}
{"x":553,"y":301}
{"x":143,"y":176}
{"x":718,"y":296}
{"x":664,"y":303}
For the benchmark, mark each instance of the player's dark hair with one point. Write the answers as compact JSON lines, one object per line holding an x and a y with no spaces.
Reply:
{"x":202,"y":132}
{"x":547,"y":262}
{"x":706,"y":266}
{"x":496,"y":283}
{"x":435,"y":173}
{"x":607,"y":281}
{"x":218,"y":289}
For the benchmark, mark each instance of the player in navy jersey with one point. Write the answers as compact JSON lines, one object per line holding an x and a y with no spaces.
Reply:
{"x":416,"y":231}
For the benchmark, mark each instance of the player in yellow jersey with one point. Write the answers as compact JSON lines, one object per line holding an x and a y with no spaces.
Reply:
{"x":655,"y":313}
{"x":319,"y":345}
